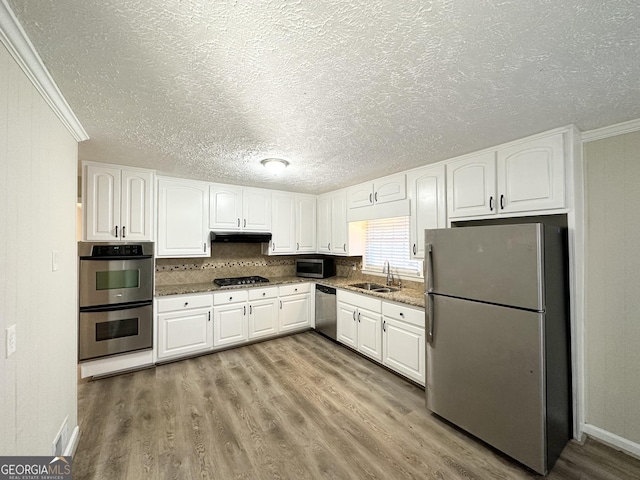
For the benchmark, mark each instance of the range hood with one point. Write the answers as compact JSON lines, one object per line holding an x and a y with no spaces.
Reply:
{"x":240,"y":237}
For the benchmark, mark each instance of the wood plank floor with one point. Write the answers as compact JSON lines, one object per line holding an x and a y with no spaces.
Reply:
{"x":298,"y":407}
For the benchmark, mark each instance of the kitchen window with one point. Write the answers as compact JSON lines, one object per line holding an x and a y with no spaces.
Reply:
{"x":387,"y":239}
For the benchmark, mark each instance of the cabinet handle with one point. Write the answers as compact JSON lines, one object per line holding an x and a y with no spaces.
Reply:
{"x":297,"y":246}
{"x":414,"y":248}
{"x":250,"y":309}
{"x":273,"y":246}
{"x":123,"y":230}
{"x":238,"y":223}
{"x":358,"y":317}
{"x":329,"y":246}
{"x":491,"y":203}
{"x":375,"y":197}
{"x":370,"y":198}
{"x":501,"y":202}
{"x":209,"y":314}
{"x":245,"y":223}
{"x":384,"y":325}
{"x":280,"y":304}
{"x":205,"y":247}
{"x":116,"y":231}
{"x":344,"y":247}
{"x":244,"y":310}
{"x":354,"y":315}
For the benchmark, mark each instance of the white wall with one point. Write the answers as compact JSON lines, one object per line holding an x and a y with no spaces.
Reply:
{"x":38,"y":193}
{"x":612,"y":316}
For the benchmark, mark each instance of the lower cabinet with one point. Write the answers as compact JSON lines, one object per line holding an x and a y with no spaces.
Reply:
{"x":263,"y":312}
{"x":359,"y":322}
{"x":403,"y":340}
{"x":230,"y":317}
{"x":184,"y":325}
{"x":295,"y":307}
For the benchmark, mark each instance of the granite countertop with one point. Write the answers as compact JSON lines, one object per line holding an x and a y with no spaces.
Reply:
{"x":410,"y":296}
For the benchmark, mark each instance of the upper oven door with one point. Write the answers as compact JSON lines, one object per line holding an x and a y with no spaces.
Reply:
{"x":111,"y":281}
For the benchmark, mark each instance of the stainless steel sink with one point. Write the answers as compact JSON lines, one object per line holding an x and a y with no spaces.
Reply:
{"x":374,"y":287}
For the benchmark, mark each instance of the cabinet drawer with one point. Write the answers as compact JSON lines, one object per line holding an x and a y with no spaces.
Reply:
{"x":230,"y":296}
{"x":294,"y":288}
{"x":260,"y":293}
{"x":370,"y":303}
{"x":414,"y":316}
{"x":183,"y":302}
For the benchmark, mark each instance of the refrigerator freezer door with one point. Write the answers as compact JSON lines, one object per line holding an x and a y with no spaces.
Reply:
{"x":485,"y":374}
{"x":500,"y":264}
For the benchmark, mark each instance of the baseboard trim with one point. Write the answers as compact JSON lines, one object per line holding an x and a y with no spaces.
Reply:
{"x":72,"y":446}
{"x":613,"y":440}
{"x":15,"y":39}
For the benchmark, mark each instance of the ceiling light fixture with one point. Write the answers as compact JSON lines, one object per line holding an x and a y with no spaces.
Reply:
{"x":274,"y":165}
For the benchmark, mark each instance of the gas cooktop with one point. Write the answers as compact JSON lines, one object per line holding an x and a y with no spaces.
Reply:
{"x":236,"y":281}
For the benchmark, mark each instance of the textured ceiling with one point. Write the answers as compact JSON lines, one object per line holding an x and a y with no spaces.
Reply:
{"x":346,"y":90}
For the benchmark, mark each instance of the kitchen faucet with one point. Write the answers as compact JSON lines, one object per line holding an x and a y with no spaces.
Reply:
{"x":389,"y":274}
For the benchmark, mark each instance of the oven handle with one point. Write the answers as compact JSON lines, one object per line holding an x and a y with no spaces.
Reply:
{"x":116,"y":306}
{"x":136,"y":257}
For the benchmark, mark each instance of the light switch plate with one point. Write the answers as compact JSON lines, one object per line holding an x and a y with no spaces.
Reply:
{"x":11,"y":340}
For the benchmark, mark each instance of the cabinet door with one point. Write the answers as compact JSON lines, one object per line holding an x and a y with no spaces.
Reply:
{"x":471,"y":186}
{"x":184,"y":333}
{"x":324,"y":224}
{"x":136,"y":206}
{"x":390,"y":189}
{"x":263,"y":318}
{"x":347,"y":324}
{"x":370,"y":334}
{"x":531,"y":175}
{"x":295,"y":312}
{"x":403,"y":348}
{"x":339,"y":224}
{"x":305,"y":224}
{"x":225,"y":207}
{"x":230,"y":324}
{"x":283,"y":223}
{"x":182,"y":219}
{"x":102,"y":203}
{"x":428,"y":208}
{"x":256,"y":210}
{"x":361,"y":195}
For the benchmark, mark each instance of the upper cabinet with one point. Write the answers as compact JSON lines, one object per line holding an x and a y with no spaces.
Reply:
{"x":293,"y":224}
{"x":426,"y":191}
{"x":335,"y":234}
{"x":117,"y":203}
{"x":233,"y":208}
{"x":518,"y":177}
{"x":182,"y":218}
{"x":387,"y":189}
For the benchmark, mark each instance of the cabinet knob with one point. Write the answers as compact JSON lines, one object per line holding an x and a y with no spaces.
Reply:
{"x":295,"y":289}
{"x":264,"y":294}
{"x":230,"y":298}
{"x":186,"y":303}
{"x":402,"y":314}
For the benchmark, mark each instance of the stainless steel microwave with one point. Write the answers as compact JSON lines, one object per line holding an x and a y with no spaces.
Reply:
{"x":315,"y":267}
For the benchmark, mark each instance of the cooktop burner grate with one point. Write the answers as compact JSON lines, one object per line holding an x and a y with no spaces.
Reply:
{"x":235,"y":281}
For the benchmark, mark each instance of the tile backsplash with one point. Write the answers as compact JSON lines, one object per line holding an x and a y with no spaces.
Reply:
{"x":236,"y":260}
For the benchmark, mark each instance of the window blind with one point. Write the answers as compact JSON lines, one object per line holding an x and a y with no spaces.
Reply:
{"x":388,"y":240}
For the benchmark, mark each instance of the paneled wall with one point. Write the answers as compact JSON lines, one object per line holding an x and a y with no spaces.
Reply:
{"x":38,"y":193}
{"x":612,"y":323}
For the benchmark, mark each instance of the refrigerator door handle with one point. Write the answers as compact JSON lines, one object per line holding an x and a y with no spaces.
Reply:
{"x":431,"y":319}
{"x":429,"y":249}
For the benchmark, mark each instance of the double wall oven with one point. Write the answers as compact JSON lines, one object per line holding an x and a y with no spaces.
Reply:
{"x":115,"y":297}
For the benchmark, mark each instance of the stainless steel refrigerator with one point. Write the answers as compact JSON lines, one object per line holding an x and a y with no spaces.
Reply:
{"x":498,"y":336}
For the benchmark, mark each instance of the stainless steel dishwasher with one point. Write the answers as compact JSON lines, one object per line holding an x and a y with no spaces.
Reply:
{"x":326,"y":311}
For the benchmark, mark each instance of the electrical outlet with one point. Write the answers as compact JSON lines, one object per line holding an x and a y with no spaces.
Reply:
{"x":11,"y":340}
{"x":354,"y":267}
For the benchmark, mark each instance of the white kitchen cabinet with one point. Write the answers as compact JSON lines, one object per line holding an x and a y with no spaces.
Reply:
{"x":233,"y":208}
{"x":182,"y":218}
{"x":230,"y":317}
{"x":117,"y":203}
{"x":387,"y":189}
{"x":263,"y":312}
{"x":293,"y":224}
{"x":295,"y":307}
{"x":359,"y":322}
{"x":324,"y":223}
{"x":184,"y":325}
{"x":305,"y":223}
{"x":336,"y":235}
{"x":403,"y":340}
{"x":426,"y":191}
{"x":523,"y":176}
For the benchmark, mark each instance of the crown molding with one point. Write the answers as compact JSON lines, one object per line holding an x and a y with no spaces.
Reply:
{"x":611,"y":130}
{"x":14,"y":38}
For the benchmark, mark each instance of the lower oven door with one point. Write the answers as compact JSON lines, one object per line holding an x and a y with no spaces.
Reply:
{"x":113,"y":330}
